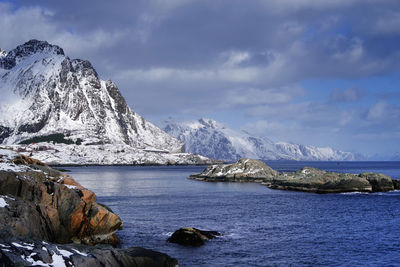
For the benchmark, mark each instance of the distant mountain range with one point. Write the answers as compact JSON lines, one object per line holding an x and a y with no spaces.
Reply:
{"x":212,"y":139}
{"x":62,"y":103}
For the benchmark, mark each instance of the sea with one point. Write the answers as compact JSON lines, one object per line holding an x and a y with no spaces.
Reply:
{"x":259,"y":226}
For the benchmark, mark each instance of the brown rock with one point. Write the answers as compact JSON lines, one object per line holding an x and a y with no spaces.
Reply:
{"x":62,"y":209}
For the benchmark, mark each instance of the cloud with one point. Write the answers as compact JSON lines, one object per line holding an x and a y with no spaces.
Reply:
{"x":351,"y":94}
{"x":253,"y":96}
{"x":206,"y":57}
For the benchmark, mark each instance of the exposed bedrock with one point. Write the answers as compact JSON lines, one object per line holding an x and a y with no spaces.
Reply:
{"x":27,"y":252}
{"x":46,"y":204}
{"x":307,"y":179}
{"x":41,"y":206}
{"x":245,"y":170}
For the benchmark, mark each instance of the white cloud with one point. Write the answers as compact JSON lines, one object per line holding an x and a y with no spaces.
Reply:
{"x":22,"y":24}
{"x":254,"y":96}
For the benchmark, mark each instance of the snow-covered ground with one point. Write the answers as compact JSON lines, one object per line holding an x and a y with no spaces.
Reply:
{"x":108,"y":154}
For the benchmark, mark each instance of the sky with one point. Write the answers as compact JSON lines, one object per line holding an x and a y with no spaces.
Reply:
{"x":324,"y":73}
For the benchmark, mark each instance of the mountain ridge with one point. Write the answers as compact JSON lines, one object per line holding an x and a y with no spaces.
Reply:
{"x":213,"y":139}
{"x":47,"y":94}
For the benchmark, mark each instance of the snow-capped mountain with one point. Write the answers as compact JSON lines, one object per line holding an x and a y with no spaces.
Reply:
{"x":48,"y":97}
{"x":212,"y":139}
{"x":49,"y":93}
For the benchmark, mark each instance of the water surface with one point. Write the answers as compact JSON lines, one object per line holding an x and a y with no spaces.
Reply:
{"x":260,"y":226}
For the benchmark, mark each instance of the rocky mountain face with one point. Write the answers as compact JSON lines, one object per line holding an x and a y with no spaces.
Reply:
{"x":214,"y":140}
{"x":46,"y":94}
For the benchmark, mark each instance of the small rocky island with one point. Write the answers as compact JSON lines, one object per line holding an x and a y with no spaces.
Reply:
{"x":307,"y":179}
{"x":189,"y":236}
{"x":48,"y":219}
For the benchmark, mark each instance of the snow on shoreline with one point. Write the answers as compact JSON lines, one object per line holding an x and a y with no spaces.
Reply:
{"x":107,"y":154}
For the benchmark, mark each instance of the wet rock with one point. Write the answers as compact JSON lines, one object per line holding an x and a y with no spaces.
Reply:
{"x":189,"y":236}
{"x":245,"y":170}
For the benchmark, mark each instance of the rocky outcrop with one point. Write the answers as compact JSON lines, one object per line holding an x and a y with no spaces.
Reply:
{"x":28,"y":252}
{"x":46,"y":204}
{"x":313,"y":180}
{"x":245,"y":170}
{"x":307,"y":179}
{"x":189,"y":236}
{"x":40,"y":205}
{"x":378,"y":181}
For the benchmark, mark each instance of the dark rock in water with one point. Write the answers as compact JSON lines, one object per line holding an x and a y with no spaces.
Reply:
{"x":28,"y":252}
{"x":245,"y":170}
{"x":396,"y":184}
{"x":317,"y":181}
{"x":378,"y":181}
{"x":307,"y":179}
{"x":189,"y":236}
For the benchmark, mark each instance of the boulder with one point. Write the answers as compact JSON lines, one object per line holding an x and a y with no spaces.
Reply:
{"x":244,"y":170}
{"x":189,"y":236}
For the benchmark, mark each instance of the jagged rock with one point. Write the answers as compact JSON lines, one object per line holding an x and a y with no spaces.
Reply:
{"x":27,"y":252}
{"x":189,"y":236}
{"x":245,"y":170}
{"x":46,"y":204}
{"x":307,"y":179}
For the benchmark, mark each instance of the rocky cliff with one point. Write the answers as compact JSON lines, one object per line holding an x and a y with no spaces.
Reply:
{"x":40,"y":206}
{"x":46,"y":204}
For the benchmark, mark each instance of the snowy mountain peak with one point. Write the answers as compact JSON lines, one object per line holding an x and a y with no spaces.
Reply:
{"x":208,"y":123}
{"x":32,"y":47}
{"x":48,"y":95}
{"x":214,"y":140}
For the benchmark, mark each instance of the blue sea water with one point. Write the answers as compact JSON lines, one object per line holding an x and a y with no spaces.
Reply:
{"x":260,"y":226}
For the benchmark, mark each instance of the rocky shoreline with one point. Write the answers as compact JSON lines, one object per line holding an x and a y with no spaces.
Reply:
{"x":46,"y":217}
{"x":306,"y":180}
